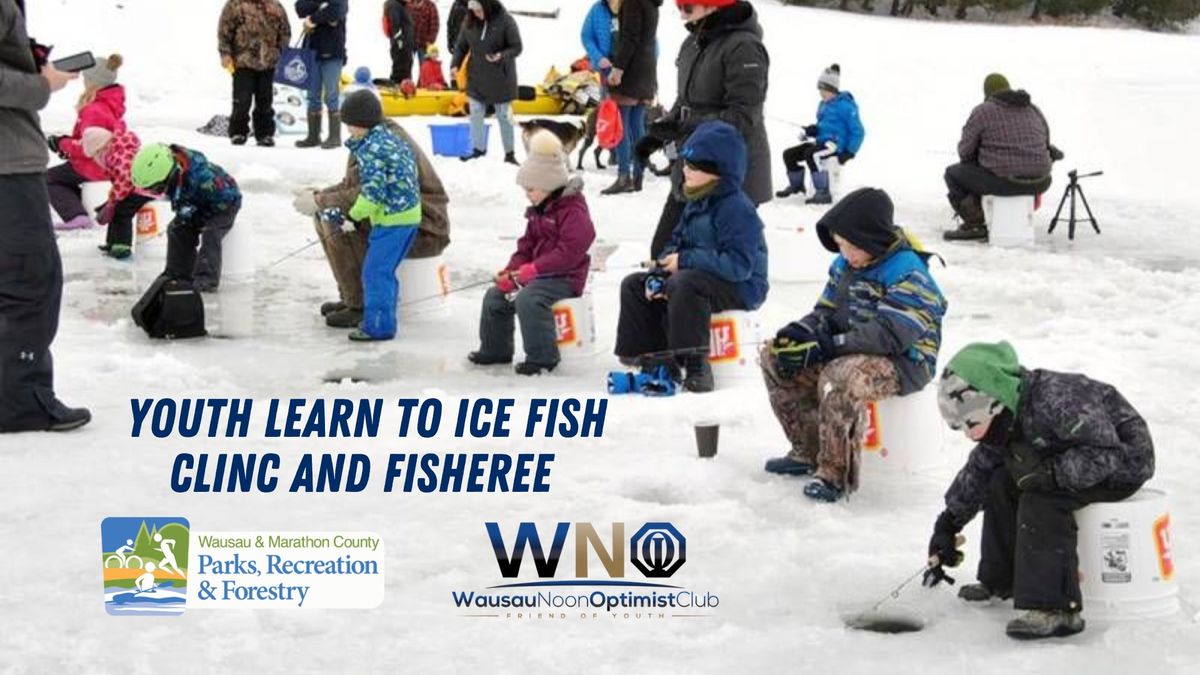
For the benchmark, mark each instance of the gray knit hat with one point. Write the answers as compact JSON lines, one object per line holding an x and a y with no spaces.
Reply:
{"x":362,"y":109}
{"x":104,"y":73}
{"x":831,"y":79}
{"x":546,"y":166}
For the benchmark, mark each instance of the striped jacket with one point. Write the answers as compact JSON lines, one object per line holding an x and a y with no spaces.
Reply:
{"x":891,"y":308}
{"x":390,"y":193}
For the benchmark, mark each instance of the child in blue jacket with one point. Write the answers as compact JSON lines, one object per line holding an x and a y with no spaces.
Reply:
{"x":838,"y":131}
{"x":390,"y":198}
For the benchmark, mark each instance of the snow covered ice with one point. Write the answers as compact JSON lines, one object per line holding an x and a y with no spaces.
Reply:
{"x":1123,"y":306}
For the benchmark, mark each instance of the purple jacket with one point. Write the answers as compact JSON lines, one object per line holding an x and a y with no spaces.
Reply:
{"x":557,"y":237}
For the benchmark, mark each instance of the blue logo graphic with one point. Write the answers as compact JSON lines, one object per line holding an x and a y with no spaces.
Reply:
{"x":658,"y":550}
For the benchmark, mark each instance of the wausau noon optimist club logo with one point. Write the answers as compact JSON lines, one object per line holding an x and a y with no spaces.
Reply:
{"x":656,"y":550}
{"x":144,"y":562}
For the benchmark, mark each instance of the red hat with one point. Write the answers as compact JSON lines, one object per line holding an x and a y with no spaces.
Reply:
{"x":705,"y":3}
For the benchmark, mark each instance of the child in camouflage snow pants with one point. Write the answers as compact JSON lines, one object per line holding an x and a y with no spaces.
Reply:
{"x":874,"y":333}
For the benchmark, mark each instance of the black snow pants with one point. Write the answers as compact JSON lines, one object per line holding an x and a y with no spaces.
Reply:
{"x":681,"y":322}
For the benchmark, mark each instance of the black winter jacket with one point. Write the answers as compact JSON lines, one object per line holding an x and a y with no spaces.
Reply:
{"x":723,"y":67}
{"x":634,"y":49}
{"x":1087,"y":431}
{"x":328,"y":39}
{"x":497,"y":33}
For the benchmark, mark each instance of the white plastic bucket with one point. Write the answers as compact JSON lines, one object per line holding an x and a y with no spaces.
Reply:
{"x":904,"y":434}
{"x":797,"y":254}
{"x":1009,"y":220}
{"x":424,"y":285}
{"x":93,"y":194}
{"x":733,"y":345}
{"x":1125,"y":565}
{"x":834,"y":167}
{"x":575,"y":327}
{"x":230,"y":311}
{"x":237,"y":253}
{"x":150,"y":229}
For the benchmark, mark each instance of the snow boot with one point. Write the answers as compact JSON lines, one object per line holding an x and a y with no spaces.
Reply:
{"x":981,"y":593}
{"x":347,"y":317}
{"x":481,"y":359}
{"x":1043,"y":623}
{"x":622,"y":184}
{"x":66,"y":419}
{"x":239,"y":139}
{"x":699,"y":378}
{"x":119,"y":251}
{"x":786,"y":466}
{"x":335,"y":132}
{"x":821,"y":193}
{"x":638,"y":181}
{"x":970,"y":210}
{"x":332,"y":306}
{"x":534,"y":368}
{"x":795,"y":184}
{"x":511,"y":158}
{"x":360,"y":335}
{"x":967,"y":232}
{"x":313,"y":139}
{"x":265,"y":142}
{"x":475,"y":154}
{"x":822,"y":490}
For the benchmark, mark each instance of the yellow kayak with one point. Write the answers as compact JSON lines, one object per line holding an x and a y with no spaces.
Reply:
{"x":428,"y":102}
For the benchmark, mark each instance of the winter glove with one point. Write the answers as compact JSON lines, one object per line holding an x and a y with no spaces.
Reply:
{"x":656,"y":286}
{"x":305,"y":203}
{"x":105,"y":213}
{"x":793,"y":358}
{"x":526,"y":273}
{"x":505,"y":284}
{"x":844,"y":157}
{"x":55,"y":144}
{"x":943,"y":551}
{"x":811,"y":131}
{"x":1028,"y":470}
{"x":808,"y":330}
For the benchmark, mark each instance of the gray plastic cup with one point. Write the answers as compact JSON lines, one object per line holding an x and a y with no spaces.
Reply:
{"x":706,"y":438}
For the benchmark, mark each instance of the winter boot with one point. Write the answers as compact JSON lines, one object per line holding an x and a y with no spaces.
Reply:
{"x":481,"y":359}
{"x":967,"y":232}
{"x":795,"y":184}
{"x":638,"y":179}
{"x":699,"y":378}
{"x":332,"y":306}
{"x":970,"y":209}
{"x":360,"y":335}
{"x":239,"y":139}
{"x":119,"y":251}
{"x":622,"y":184}
{"x":265,"y":142}
{"x":981,"y":593}
{"x":347,"y":317}
{"x":511,"y":158}
{"x":822,"y":490}
{"x":1044,"y":623}
{"x":66,"y":419}
{"x":786,"y":466}
{"x":313,"y":139}
{"x":475,"y":154}
{"x":335,"y":132}
{"x":821,"y":193}
{"x":534,"y":368}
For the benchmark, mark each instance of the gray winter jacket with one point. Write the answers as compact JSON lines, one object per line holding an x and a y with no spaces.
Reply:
{"x":1087,"y":431}
{"x":23,"y":92}
{"x":723,"y":68}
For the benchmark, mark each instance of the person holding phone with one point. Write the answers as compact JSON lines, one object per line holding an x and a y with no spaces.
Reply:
{"x":30,"y":267}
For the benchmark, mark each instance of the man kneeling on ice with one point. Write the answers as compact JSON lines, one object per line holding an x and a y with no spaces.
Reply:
{"x":1048,"y":443}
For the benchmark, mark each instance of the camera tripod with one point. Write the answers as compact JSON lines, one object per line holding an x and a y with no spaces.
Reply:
{"x":1074,"y":188}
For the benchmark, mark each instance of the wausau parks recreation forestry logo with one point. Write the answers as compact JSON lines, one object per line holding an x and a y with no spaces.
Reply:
{"x":143,"y":572}
{"x":657,"y":550}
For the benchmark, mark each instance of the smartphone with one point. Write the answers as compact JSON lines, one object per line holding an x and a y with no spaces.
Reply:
{"x":76,"y":63}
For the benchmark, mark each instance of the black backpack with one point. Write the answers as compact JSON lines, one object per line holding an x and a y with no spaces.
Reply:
{"x":171,"y":309}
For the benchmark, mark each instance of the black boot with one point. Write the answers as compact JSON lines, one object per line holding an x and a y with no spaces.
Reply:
{"x":981,"y":593}
{"x":66,"y":419}
{"x":475,"y":154}
{"x":335,"y":132}
{"x":967,"y":232}
{"x":699,"y":378}
{"x":623,"y":184}
{"x":481,"y":359}
{"x":313,"y":139}
{"x":332,"y":306}
{"x":638,"y":180}
{"x":511,"y":158}
{"x":347,"y":317}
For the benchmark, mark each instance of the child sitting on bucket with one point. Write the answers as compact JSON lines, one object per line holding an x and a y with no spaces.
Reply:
{"x":114,"y":154}
{"x":874,"y":333}
{"x":390,"y":199}
{"x":838,"y":132}
{"x":551,"y":263}
{"x":1047,"y":444}
{"x":431,"y":71}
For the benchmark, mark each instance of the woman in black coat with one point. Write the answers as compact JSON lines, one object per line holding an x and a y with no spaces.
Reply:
{"x":723,"y":67}
{"x":490,"y":37}
{"x":633,"y":82}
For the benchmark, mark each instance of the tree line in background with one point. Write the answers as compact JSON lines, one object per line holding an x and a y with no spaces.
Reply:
{"x":1155,"y":14}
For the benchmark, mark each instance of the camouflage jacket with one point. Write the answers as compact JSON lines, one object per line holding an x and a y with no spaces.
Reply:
{"x":434,"y":231}
{"x":1087,"y":431}
{"x":253,"y":33}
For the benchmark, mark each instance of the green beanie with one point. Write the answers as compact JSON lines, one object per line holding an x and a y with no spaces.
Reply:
{"x":994,"y":84}
{"x":992,"y":369}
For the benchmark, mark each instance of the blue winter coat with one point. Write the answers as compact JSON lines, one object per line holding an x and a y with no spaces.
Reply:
{"x":328,"y":39}
{"x":597,"y":33}
{"x":837,"y":121}
{"x":203,"y":190}
{"x":721,"y":232}
{"x":390,"y":192}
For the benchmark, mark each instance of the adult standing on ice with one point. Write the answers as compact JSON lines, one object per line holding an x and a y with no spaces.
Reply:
{"x":30,"y":267}
{"x":426,"y":26}
{"x":1047,"y":444}
{"x":251,"y":36}
{"x":633,"y":82}
{"x":398,"y":27}
{"x":324,"y":33}
{"x":722,"y":75}
{"x":491,"y":38}
{"x":1004,"y":150}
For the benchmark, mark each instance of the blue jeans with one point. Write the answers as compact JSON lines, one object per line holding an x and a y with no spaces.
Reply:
{"x":325,"y":81}
{"x":503,"y":116}
{"x":633,"y":120}
{"x":386,"y":249}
